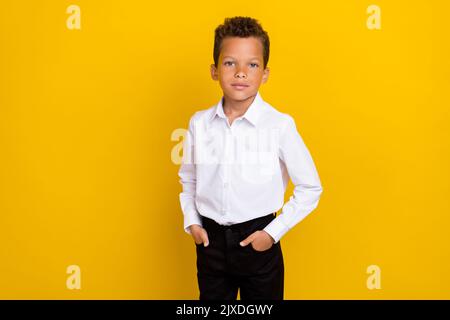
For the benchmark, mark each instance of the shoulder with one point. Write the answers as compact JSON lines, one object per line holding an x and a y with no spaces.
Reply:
{"x":277,"y":118}
{"x":201,"y":115}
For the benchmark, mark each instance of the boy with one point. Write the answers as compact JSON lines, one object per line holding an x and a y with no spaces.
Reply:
{"x":238,"y":157}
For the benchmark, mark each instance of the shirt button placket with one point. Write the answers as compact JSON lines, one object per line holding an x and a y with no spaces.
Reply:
{"x":226,"y":173}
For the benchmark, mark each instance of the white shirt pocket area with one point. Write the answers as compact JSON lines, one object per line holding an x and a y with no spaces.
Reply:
{"x":260,"y":171}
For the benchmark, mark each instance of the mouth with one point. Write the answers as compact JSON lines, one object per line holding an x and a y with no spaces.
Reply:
{"x":239,"y":86}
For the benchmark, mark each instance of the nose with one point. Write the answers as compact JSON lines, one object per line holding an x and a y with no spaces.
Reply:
{"x":240,"y":74}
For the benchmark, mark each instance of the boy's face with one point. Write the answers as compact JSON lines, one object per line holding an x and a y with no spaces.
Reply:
{"x":240,"y":69}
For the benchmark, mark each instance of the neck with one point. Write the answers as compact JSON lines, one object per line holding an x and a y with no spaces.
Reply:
{"x":236,"y":107}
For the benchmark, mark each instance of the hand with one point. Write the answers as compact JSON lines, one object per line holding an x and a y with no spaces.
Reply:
{"x":199,"y":234}
{"x":260,"y":240}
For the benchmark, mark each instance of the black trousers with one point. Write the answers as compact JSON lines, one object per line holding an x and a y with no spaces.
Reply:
{"x":224,"y":266}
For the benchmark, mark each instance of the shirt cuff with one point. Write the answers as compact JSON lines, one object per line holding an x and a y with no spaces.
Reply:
{"x":191,"y":218}
{"x":276,"y":229}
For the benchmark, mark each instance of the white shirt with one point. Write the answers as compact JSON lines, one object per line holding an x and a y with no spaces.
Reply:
{"x":235,"y":173}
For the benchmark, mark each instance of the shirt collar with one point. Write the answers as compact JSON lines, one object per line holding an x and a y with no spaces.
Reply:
{"x":252,"y":114}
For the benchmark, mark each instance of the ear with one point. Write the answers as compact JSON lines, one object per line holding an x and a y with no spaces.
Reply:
{"x":214,"y":72}
{"x":265,"y":75}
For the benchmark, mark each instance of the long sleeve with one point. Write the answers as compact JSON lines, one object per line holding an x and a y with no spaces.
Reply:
{"x":302,"y":171}
{"x":187,"y":174}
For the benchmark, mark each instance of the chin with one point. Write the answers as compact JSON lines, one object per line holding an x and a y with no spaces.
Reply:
{"x":240,"y":96}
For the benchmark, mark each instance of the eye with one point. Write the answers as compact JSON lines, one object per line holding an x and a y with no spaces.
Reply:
{"x":254,"y":65}
{"x":228,"y":63}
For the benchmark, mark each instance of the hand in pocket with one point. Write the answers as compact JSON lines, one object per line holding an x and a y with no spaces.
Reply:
{"x":260,"y":240}
{"x":199,"y":234}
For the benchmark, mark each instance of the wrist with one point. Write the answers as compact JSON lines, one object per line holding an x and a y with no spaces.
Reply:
{"x":269,"y":236}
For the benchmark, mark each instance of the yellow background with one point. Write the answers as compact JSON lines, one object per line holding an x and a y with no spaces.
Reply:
{"x":86,"y":118}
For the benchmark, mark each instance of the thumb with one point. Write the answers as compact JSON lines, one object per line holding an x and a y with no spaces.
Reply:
{"x":247,"y":240}
{"x":205,"y":238}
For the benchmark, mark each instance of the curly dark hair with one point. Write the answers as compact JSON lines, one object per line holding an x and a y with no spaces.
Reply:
{"x":242,"y":27}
